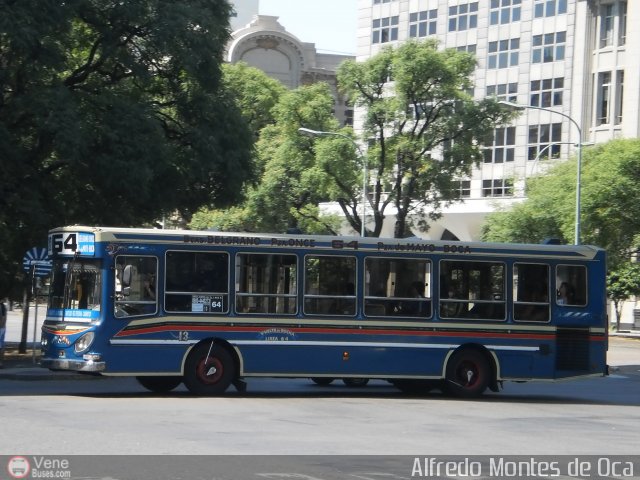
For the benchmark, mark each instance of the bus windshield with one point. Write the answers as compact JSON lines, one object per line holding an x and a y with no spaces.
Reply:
{"x":75,"y":289}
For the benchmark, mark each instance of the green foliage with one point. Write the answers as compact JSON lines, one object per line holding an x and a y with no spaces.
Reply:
{"x":255,"y":93}
{"x":622,"y":284}
{"x":549,"y":202}
{"x":610,"y":210}
{"x":611,"y":198}
{"x":113,"y":113}
{"x":423,"y":128}
{"x":290,"y":182}
{"x":610,"y":203}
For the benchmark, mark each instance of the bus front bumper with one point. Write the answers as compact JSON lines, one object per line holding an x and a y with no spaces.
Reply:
{"x":73,"y":365}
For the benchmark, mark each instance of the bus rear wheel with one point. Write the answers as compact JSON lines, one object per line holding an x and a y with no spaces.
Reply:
{"x":468,"y":374}
{"x":159,"y":384}
{"x":209,"y":370}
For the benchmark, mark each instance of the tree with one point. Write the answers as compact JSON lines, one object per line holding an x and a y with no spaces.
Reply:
{"x":255,"y":93}
{"x":113,"y":113}
{"x":291,"y":182}
{"x":423,"y":129}
{"x":622,"y":285}
{"x":610,"y":203}
{"x":610,"y":212}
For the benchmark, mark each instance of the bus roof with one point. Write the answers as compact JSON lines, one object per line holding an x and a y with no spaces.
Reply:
{"x":348,"y":243}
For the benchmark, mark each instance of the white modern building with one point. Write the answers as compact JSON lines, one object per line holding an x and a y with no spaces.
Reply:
{"x":574,"y":57}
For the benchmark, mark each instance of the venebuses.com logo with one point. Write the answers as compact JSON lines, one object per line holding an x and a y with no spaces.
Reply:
{"x":18,"y":467}
{"x":38,"y":467}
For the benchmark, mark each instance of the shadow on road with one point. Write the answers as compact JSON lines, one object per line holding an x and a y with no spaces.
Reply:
{"x":621,"y":388}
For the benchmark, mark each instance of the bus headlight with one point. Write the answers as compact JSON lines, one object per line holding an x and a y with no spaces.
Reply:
{"x":83,"y":342}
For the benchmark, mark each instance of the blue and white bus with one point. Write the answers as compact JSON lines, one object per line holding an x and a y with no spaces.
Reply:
{"x":213,"y":309}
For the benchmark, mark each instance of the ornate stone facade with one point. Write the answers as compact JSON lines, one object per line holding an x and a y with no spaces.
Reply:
{"x":265,"y":44}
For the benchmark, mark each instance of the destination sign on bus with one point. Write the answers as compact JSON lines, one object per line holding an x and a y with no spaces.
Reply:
{"x":72,"y":243}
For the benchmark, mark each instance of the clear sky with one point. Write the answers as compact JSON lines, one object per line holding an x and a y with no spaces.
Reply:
{"x":330,"y":24}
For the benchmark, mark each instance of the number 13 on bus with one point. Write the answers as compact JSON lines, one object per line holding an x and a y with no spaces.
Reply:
{"x":211,"y":310}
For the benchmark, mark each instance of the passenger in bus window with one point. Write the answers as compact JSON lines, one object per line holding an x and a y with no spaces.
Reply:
{"x":149,"y":291}
{"x":449,"y":309}
{"x":566,"y":294}
{"x":414,"y":307}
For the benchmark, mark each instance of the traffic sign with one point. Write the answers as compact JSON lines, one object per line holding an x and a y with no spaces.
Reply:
{"x":37,"y":259}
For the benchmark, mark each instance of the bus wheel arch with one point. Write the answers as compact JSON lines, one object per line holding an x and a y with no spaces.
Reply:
{"x":210,"y":367}
{"x":469,"y":370}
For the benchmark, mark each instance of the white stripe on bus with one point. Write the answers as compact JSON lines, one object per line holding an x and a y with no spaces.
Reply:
{"x":294,"y":343}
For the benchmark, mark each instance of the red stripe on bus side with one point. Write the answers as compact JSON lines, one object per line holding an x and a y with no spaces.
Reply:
{"x":334,"y":331}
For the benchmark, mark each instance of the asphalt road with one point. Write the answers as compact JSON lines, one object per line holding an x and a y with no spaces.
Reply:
{"x":91,"y":415}
{"x":294,"y":429}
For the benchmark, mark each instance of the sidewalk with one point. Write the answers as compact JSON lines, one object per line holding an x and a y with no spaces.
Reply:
{"x":21,"y":366}
{"x":626,"y":334}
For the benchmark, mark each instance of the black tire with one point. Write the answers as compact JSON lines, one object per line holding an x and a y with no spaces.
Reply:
{"x":159,"y":384}
{"x":209,"y":370}
{"x":322,"y":380}
{"x":355,"y":382}
{"x":416,"y":387}
{"x":468,"y":374}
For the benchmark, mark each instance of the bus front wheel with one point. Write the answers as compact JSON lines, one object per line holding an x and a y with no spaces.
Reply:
{"x":321,"y":380}
{"x":209,"y":370}
{"x":468,"y":374}
{"x":355,"y":382}
{"x":159,"y":384}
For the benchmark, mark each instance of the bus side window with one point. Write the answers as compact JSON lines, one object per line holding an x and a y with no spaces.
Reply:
{"x":571,"y":285}
{"x":136,"y":285}
{"x":196,"y":282}
{"x":266,"y":283}
{"x":329,"y":287}
{"x":397,"y":287}
{"x":530,"y":292}
{"x":472,"y":290}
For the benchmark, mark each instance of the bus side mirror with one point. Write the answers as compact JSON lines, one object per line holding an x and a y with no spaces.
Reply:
{"x":126,"y":280}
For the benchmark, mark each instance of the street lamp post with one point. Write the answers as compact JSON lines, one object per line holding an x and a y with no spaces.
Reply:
{"x":318,"y":133}
{"x":579,"y":146}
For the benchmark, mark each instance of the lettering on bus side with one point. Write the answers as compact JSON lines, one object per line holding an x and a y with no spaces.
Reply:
{"x":421,"y":247}
{"x":293,"y":242}
{"x":219,"y":240}
{"x":277,"y":335}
